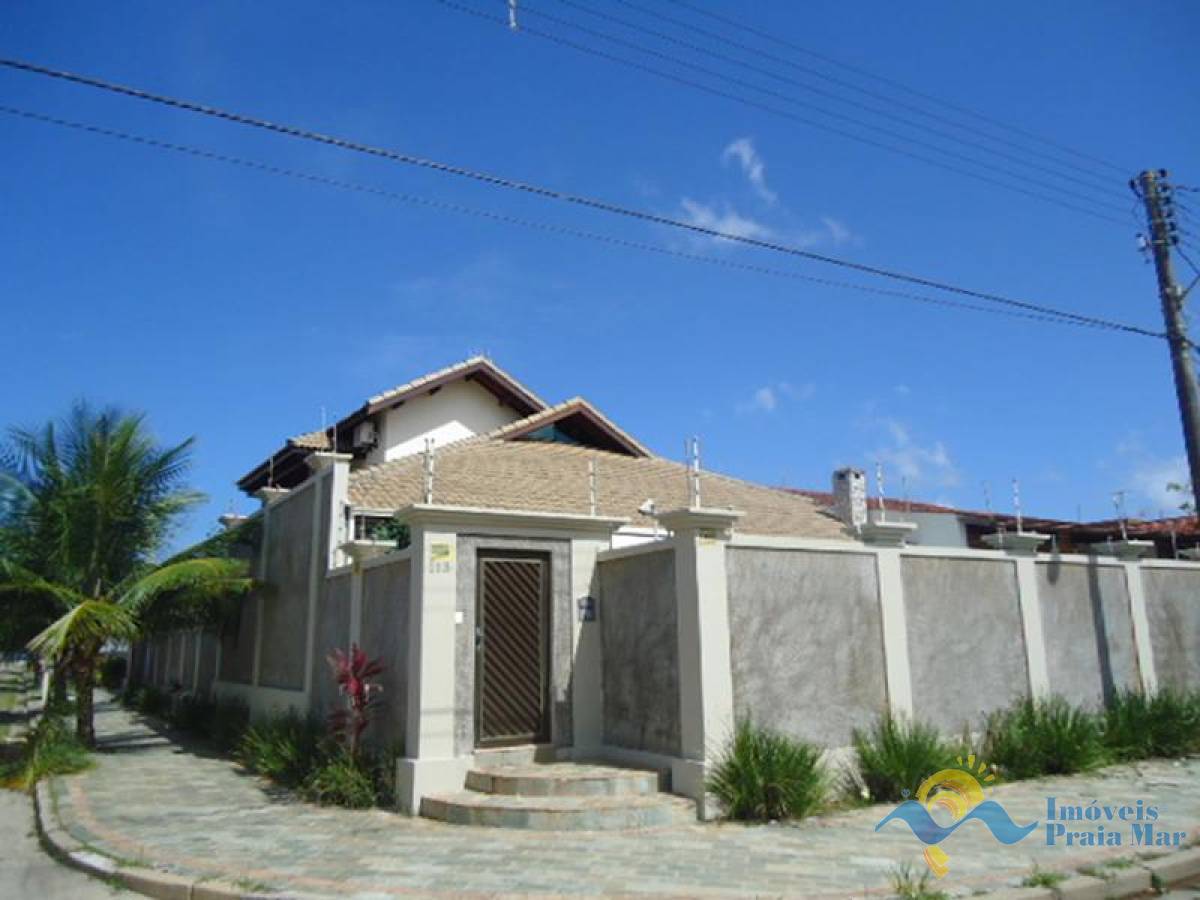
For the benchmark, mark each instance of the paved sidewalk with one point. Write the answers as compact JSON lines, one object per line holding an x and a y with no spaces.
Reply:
{"x":155,"y":803}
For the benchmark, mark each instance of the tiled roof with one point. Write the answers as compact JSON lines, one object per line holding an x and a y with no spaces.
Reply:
{"x":562,"y":411}
{"x":893,"y":504}
{"x":311,"y":440}
{"x":546,"y":477}
{"x":475,"y":362}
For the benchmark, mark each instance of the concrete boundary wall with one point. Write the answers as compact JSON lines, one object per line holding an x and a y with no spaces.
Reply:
{"x":978,"y":629}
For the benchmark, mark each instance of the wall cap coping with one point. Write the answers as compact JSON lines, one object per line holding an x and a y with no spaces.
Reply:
{"x":1018,"y":543}
{"x":1126,"y":550}
{"x":887,"y":534}
{"x":698,"y":518}
{"x":325,"y":459}
{"x":1192,"y":553}
{"x":271,"y":495}
{"x":460,"y":517}
{"x":360,"y":550}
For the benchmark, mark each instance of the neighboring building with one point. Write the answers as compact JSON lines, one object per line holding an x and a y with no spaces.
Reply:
{"x":541,"y":586}
{"x":946,"y":526}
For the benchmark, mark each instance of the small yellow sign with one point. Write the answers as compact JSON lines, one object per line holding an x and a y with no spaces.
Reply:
{"x":441,"y":557}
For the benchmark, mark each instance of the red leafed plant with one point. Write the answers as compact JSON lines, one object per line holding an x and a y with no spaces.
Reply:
{"x":352,"y":671}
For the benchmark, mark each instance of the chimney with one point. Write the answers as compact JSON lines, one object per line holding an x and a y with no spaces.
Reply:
{"x":850,"y":497}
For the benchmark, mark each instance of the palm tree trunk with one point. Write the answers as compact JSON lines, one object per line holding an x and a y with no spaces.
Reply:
{"x":85,"y":684}
{"x":58,"y":687}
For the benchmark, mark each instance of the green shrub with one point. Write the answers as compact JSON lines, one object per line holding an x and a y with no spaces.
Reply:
{"x":1044,"y":737}
{"x":896,"y":755}
{"x":110,"y":674}
{"x":194,"y":715}
{"x":340,"y":780}
{"x":1140,"y":727}
{"x":151,"y":701}
{"x":284,"y":748}
{"x":50,"y":748}
{"x":766,"y":775}
{"x":230,"y":719}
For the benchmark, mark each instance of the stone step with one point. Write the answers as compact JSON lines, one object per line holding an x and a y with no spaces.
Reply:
{"x":563,"y":780}
{"x":569,"y":813}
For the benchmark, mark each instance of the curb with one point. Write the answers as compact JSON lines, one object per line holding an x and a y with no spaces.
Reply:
{"x":1142,"y":878}
{"x":150,"y":882}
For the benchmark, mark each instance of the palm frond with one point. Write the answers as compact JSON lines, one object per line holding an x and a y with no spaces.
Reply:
{"x":89,"y":624}
{"x":16,"y":579}
{"x":196,"y":578}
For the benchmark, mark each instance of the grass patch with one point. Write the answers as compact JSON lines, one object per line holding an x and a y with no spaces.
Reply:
{"x":765,"y":775}
{"x":1044,"y":737}
{"x":50,"y":748}
{"x":896,"y":755}
{"x":1039,"y":877}
{"x":913,"y":887}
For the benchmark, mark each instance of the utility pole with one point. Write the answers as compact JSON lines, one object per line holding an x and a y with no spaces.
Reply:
{"x":1155,"y":194}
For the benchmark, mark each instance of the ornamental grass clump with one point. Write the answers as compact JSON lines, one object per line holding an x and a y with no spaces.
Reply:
{"x":1139,"y":727}
{"x":895,"y":755}
{"x":342,"y":780}
{"x":765,"y":775}
{"x":284,"y":748}
{"x":1044,"y":737}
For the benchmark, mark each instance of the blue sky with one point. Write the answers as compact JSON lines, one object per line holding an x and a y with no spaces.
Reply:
{"x":233,"y":305}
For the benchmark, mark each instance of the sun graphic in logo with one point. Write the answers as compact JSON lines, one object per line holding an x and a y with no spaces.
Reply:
{"x":957,"y":791}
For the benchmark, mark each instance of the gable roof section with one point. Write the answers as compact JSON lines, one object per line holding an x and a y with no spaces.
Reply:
{"x":580,"y":421}
{"x":288,"y":465}
{"x":495,"y":473}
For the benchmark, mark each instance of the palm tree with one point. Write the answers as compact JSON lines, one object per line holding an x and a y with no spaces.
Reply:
{"x":100,"y":500}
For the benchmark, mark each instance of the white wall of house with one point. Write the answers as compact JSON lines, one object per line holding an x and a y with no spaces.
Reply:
{"x":934,"y":529}
{"x":459,"y":410}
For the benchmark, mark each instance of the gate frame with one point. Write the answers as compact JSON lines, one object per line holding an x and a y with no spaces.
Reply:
{"x":543,"y":558}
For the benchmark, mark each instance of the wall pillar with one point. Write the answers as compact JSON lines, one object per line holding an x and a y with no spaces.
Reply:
{"x":1141,"y":628}
{"x":333,"y":468}
{"x":1030,"y":601}
{"x":706,"y":714}
{"x":587,"y":670}
{"x":430,"y":765}
{"x":1023,"y":546}
{"x":897,"y":669}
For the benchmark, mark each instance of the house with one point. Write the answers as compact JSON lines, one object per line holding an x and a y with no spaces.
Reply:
{"x":939,"y":525}
{"x":542,"y":587}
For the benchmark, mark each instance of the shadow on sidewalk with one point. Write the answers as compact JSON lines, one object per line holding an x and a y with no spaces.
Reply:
{"x":150,"y":733}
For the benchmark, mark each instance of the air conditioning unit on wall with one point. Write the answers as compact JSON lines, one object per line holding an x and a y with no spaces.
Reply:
{"x":365,"y":436}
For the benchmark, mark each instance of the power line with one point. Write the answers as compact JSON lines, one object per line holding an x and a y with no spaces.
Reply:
{"x":561,"y":196}
{"x":505,"y":218}
{"x":864,"y":73}
{"x":851,"y":86}
{"x":774,"y":110}
{"x":1105,"y":184}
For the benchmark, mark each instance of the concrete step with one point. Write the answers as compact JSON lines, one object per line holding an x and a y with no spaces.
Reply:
{"x":563,"y":780}
{"x":570,"y":813}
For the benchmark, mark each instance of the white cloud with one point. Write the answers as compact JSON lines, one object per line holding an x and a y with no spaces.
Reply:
{"x":743,"y":152}
{"x":1146,"y":476}
{"x":766,"y":399}
{"x":838,"y":232}
{"x":928,"y":464}
{"x":1150,"y":479}
{"x":726,"y":220}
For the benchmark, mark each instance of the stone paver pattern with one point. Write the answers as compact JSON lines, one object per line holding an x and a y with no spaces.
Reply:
{"x":159,"y":803}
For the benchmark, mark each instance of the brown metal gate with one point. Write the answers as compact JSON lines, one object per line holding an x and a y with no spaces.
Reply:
{"x":511,"y":650}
